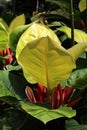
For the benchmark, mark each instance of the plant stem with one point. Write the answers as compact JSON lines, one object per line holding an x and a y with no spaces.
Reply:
{"x":86,"y":23}
{"x":72,"y":22}
{"x":13,"y":7}
{"x":37,"y":6}
{"x":86,"y":16}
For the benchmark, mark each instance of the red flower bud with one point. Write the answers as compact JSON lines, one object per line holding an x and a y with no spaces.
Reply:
{"x":67,"y":91}
{"x":80,"y":24}
{"x":30,"y":94}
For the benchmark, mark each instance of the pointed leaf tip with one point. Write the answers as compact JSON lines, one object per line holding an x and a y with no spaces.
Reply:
{"x":15,"y":22}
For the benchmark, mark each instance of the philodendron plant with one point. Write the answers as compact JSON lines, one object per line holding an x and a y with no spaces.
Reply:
{"x":46,"y":62}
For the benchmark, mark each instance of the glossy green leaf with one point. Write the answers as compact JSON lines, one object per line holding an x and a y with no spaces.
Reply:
{"x":17,"y":21}
{"x":44,"y":114}
{"x":82,"y":5}
{"x":4,"y":91}
{"x":15,"y":35}
{"x":12,"y":84}
{"x":78,"y":79}
{"x":73,"y":125}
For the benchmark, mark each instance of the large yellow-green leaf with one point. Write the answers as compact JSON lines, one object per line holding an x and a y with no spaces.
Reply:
{"x":82,"y":5}
{"x":17,"y":21}
{"x":43,"y":59}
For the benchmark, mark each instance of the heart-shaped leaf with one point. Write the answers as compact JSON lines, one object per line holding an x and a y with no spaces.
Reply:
{"x":43,"y":59}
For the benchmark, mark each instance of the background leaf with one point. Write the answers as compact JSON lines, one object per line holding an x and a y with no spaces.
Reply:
{"x":79,"y":36}
{"x":62,"y":4}
{"x":73,"y":125}
{"x":81,"y":63}
{"x":3,"y":25}
{"x":82,"y":5}
{"x":3,"y":39}
{"x":12,"y":120}
{"x":78,"y":79}
{"x":15,"y":22}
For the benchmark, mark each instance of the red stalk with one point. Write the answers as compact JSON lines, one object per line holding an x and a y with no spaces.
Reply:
{"x":74,"y":102}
